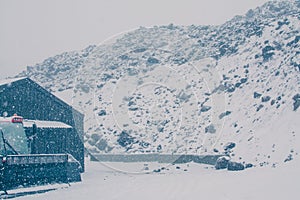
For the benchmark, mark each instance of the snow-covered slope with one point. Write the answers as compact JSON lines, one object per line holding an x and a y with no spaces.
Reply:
{"x":190,"y":89}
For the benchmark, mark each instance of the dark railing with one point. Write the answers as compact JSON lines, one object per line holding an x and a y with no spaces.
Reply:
{"x":30,"y":170}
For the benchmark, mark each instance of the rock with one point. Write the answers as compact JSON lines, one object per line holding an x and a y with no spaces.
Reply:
{"x":101,"y":144}
{"x":215,"y":150}
{"x":205,"y":108}
{"x":160,"y":129}
{"x":224,"y":114}
{"x":95,"y":137}
{"x":248,"y":165}
{"x":230,"y":88}
{"x":235,"y":166}
{"x":102,"y":113}
{"x":125,"y":139}
{"x":272,"y":102}
{"x":130,"y":103}
{"x":244,"y":80}
{"x":259,"y":107}
{"x":133,"y":108}
{"x":256,"y":95}
{"x":268,"y":52}
{"x":229,"y":146}
{"x":159,"y":147}
{"x":289,"y":158}
{"x":156,"y":170}
{"x":296,"y":103}
{"x":222,"y":162}
{"x":144,"y":144}
{"x":152,"y":61}
{"x":265,"y":99}
{"x":210,"y":129}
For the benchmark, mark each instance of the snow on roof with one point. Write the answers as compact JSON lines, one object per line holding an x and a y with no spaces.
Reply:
{"x":8,"y":81}
{"x":45,"y":124}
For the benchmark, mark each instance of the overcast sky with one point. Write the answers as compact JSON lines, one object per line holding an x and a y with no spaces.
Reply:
{"x":33,"y":30}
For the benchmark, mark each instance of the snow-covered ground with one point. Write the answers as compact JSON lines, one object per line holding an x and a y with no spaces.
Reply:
{"x":180,"y":181}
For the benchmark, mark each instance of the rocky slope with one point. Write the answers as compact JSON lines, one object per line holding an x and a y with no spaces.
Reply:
{"x":190,"y":89}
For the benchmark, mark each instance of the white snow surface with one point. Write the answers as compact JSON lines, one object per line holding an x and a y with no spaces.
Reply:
{"x":191,"y":181}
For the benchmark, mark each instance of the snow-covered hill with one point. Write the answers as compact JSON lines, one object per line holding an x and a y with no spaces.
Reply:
{"x":190,"y":89}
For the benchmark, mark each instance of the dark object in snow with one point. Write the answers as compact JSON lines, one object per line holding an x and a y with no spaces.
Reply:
{"x":235,"y":166}
{"x":205,"y":108}
{"x":230,"y":88}
{"x":133,"y":108}
{"x":156,"y":170}
{"x":130,"y":103}
{"x":244,"y":80}
{"x":248,"y":165}
{"x":256,"y":95}
{"x":238,"y":85}
{"x":177,"y":167}
{"x":259,"y":107}
{"x":289,"y":158}
{"x":125,"y":139}
{"x":101,"y":144}
{"x":95,"y":137}
{"x":160,"y":129}
{"x":229,"y":146}
{"x":268,"y":52}
{"x":159,"y":147}
{"x":272,"y":102}
{"x":144,"y":144}
{"x":265,"y":99}
{"x":152,"y":61}
{"x":102,"y":113}
{"x":224,"y":114}
{"x":296,"y":103}
{"x":210,"y":129}
{"x":222,"y":162}
{"x":215,"y":150}
{"x":106,"y":77}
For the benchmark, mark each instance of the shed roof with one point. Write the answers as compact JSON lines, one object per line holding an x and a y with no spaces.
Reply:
{"x":39,"y":87}
{"x":45,"y":124}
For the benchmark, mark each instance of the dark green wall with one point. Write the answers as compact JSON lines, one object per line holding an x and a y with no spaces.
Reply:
{"x":30,"y":100}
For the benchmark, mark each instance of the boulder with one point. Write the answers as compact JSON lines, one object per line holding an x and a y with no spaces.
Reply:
{"x":222,"y":162}
{"x":235,"y":166}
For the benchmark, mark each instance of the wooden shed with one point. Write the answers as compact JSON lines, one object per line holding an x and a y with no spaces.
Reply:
{"x":30,"y":100}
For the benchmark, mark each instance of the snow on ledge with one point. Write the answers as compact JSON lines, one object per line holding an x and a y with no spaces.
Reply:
{"x":45,"y":124}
